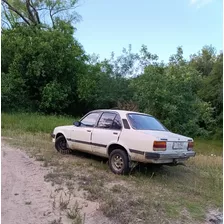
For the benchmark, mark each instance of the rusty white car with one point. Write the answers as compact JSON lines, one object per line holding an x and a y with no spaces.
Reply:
{"x":123,"y":137}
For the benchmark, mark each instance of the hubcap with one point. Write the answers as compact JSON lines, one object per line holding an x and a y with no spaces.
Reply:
{"x":62,"y":145}
{"x":117,"y":162}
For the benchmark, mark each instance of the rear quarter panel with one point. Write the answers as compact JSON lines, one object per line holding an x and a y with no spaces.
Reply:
{"x":136,"y":143}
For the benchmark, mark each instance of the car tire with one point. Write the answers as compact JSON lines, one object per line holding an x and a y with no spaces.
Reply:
{"x":61,"y":145}
{"x":119,"y":162}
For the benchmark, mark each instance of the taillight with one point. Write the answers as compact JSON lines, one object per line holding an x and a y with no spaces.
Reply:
{"x":159,"y":146}
{"x":190,"y":146}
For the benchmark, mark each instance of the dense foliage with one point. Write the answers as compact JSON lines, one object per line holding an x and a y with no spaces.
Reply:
{"x":45,"y":69}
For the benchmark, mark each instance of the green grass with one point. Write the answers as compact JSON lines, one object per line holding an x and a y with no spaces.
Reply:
{"x":175,"y":194}
{"x":36,"y":123}
{"x":33,"y":123}
{"x":208,"y":147}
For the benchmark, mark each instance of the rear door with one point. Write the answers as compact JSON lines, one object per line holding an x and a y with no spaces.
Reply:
{"x":107,"y":130}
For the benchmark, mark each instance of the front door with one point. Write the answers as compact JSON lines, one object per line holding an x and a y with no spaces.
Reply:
{"x":81,"y":136}
{"x":107,"y":130}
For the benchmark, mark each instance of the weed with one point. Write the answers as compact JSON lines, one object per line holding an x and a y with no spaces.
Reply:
{"x":4,"y":153}
{"x":63,"y":204}
{"x":74,"y":213}
{"x":57,"y":176}
{"x":172,"y":209}
{"x":39,"y":157}
{"x":94,"y":192}
{"x":55,"y":163}
{"x":111,"y":207}
{"x":195,"y":210}
{"x":58,"y":189}
{"x":54,"y":204}
{"x":70,"y":185}
{"x":28,"y":203}
{"x":45,"y":164}
{"x":118,"y":188}
{"x":56,"y":221}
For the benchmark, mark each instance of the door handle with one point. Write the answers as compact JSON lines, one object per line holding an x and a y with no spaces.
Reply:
{"x":88,"y":130}
{"x":115,"y":133}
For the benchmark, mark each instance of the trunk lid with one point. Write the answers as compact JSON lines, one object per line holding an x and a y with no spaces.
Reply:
{"x":173,"y":141}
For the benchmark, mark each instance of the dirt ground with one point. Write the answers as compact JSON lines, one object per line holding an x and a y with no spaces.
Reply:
{"x":34,"y":193}
{"x":27,"y":198}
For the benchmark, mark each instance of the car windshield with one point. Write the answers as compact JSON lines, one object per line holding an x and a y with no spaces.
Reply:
{"x":145,"y":122}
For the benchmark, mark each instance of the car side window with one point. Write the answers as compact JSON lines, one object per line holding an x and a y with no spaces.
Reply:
{"x":90,"y":120}
{"x":106,"y":120}
{"x":116,"y":123}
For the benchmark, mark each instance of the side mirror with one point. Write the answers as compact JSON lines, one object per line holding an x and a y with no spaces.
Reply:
{"x":77,"y":123}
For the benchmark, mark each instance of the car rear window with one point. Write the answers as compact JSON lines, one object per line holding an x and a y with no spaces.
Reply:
{"x":145,"y":122}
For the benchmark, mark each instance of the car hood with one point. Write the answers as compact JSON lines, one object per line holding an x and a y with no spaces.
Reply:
{"x":166,"y":135}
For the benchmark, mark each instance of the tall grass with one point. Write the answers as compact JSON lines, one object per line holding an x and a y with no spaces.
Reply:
{"x":36,"y":123}
{"x":33,"y":123}
{"x":209,"y":147}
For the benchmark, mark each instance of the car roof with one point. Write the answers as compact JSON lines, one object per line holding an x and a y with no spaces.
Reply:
{"x":121,"y":112}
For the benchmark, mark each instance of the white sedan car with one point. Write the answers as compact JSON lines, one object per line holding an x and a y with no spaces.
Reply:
{"x":123,"y":137}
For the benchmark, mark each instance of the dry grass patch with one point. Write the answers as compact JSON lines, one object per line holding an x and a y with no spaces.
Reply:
{"x":56,"y":221}
{"x":181,"y":194}
{"x":63,"y":203}
{"x":74,"y":214}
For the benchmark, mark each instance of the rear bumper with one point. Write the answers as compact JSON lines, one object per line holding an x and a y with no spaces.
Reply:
{"x":168,"y":157}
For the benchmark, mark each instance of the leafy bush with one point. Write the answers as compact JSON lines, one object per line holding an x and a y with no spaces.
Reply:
{"x":40,"y":68}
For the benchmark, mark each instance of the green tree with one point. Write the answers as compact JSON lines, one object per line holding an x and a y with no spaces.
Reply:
{"x":210,"y":66}
{"x":40,"y":67}
{"x":98,"y":88}
{"x":212,"y":92}
{"x":38,"y":12}
{"x":204,"y":60}
{"x":170,"y":94}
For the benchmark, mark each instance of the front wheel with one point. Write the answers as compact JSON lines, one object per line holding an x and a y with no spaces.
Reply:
{"x":118,"y":162}
{"x":61,"y":145}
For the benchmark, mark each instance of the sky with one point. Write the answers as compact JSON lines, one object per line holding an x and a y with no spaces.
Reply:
{"x":161,"y":25}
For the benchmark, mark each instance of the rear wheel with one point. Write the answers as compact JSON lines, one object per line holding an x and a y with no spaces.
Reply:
{"x":61,"y":145}
{"x":118,"y":162}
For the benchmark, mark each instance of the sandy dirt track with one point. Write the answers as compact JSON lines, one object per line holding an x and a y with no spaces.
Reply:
{"x":26,"y":196}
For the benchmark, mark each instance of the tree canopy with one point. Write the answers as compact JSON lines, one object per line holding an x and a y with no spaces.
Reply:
{"x":38,"y":12}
